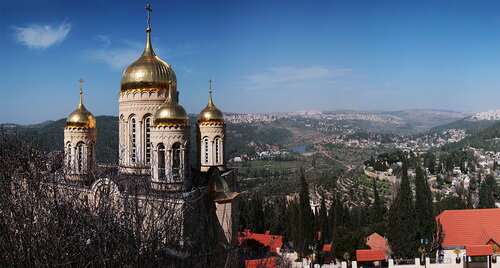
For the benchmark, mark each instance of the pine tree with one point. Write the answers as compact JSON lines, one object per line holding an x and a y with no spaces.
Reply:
{"x":402,"y":232}
{"x":424,"y":209}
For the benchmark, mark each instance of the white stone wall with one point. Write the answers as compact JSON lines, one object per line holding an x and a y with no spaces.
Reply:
{"x":139,"y":105}
{"x":169,"y":136}
{"x":209,"y":134}
{"x":73,"y":137}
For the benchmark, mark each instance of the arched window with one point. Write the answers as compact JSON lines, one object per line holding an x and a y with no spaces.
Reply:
{"x":161,"y":161}
{"x":148,"y":139}
{"x":176,"y":160}
{"x":90,"y":157}
{"x":79,"y":157}
{"x":205,"y":144}
{"x":68,"y":154}
{"x":133,"y":135}
{"x":217,"y":150}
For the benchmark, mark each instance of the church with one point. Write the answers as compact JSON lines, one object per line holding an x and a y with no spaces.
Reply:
{"x":155,"y":150}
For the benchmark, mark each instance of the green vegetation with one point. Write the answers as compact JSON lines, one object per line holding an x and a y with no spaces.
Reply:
{"x":402,"y":233}
{"x":484,"y":138}
{"x":50,"y":137}
{"x":488,"y":192}
{"x":470,"y":126}
{"x":424,"y":210}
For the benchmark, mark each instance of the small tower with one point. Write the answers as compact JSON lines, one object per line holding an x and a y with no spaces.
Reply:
{"x":80,"y":141}
{"x":211,"y":136}
{"x":170,"y":144}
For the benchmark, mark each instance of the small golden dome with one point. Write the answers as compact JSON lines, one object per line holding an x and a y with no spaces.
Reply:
{"x":211,"y":114}
{"x":170,"y":113}
{"x":81,"y":117}
{"x":148,"y":72}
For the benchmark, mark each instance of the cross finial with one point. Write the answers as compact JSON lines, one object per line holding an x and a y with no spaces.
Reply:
{"x":81,"y":91}
{"x":148,"y":8}
{"x":81,"y":84}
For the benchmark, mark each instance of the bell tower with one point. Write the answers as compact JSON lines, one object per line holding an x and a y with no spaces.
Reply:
{"x":80,"y":136}
{"x":211,"y":136}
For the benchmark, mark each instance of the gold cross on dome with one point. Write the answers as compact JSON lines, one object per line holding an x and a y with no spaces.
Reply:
{"x":81,"y":84}
{"x":210,"y":88}
{"x":148,"y":8}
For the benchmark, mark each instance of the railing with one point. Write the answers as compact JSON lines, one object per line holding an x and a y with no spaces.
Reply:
{"x":434,"y":260}
{"x":404,"y":261}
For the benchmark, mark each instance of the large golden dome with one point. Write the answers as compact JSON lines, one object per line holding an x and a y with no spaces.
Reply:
{"x":81,"y":117}
{"x":170,"y":113}
{"x":148,"y":72}
{"x":211,"y":114}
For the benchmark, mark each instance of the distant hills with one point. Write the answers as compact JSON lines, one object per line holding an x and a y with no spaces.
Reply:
{"x":472,"y":124}
{"x":49,"y":135}
{"x":282,"y":129}
{"x":488,"y":138}
{"x":396,"y":122}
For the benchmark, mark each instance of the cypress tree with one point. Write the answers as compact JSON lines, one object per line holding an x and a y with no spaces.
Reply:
{"x":486,"y":193}
{"x":402,"y":233}
{"x":377,"y":208}
{"x":424,"y":209}
{"x":331,"y":216}
{"x":324,"y":227}
{"x":257,"y":214}
{"x":339,"y":214}
{"x":306,"y":220}
{"x":243,"y":213}
{"x":469,"y":202}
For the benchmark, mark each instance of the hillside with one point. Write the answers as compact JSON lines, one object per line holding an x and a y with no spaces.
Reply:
{"x":50,"y":135}
{"x":470,"y":126}
{"x":488,"y":139}
{"x":423,"y":120}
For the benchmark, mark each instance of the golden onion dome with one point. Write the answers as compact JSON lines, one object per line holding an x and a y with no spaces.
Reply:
{"x":211,"y":114}
{"x":148,"y":72}
{"x":81,"y":117}
{"x":170,"y":113}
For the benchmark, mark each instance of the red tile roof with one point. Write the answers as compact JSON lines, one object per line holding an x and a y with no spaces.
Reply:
{"x":271,"y":241}
{"x":470,"y":226}
{"x":376,"y":241}
{"x":370,"y":255}
{"x":482,"y":250}
{"x":261,"y":263}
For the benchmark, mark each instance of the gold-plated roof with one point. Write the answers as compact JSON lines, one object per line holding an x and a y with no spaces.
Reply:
{"x":219,"y":189}
{"x":211,"y":114}
{"x":81,"y":117}
{"x":148,"y":72}
{"x":170,"y":113}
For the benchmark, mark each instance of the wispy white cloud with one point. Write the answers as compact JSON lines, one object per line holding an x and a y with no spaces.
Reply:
{"x":118,"y":57}
{"x":295,"y":77}
{"x":41,"y":36}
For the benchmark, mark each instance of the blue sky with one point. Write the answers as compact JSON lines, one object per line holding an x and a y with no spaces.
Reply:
{"x":263,"y":56}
